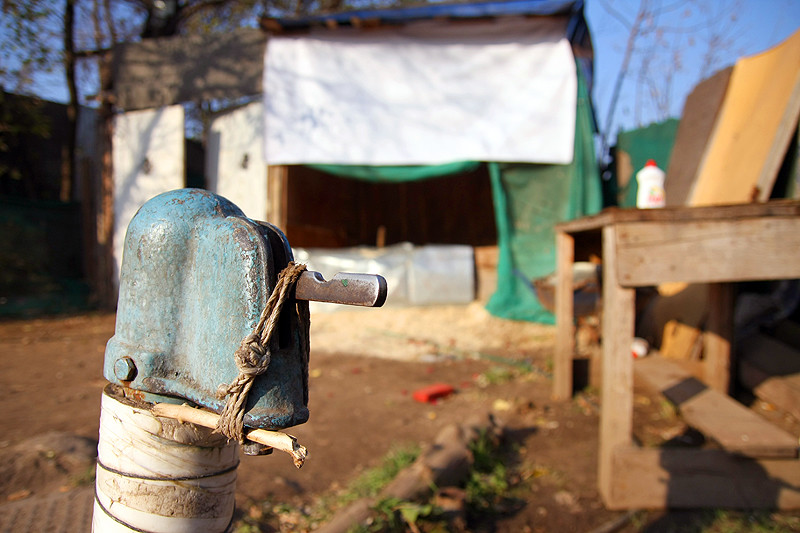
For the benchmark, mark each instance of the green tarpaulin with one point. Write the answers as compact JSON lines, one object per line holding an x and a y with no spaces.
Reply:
{"x":396,"y":174}
{"x":652,"y":142}
{"x":529,"y":201}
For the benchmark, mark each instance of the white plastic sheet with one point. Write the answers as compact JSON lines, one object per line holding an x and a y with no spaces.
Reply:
{"x":426,"y":275}
{"x":153,"y":483}
{"x":424,"y":93}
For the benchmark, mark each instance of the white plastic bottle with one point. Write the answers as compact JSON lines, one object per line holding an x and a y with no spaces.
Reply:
{"x":650,"y":186}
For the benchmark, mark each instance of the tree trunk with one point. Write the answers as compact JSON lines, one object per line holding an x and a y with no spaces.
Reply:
{"x":105,"y":235}
{"x":68,"y":147}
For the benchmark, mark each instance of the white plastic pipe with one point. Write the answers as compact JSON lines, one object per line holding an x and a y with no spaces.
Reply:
{"x":160,"y":476}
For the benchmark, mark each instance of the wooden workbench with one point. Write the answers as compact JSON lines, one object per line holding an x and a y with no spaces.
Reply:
{"x":716,"y":245}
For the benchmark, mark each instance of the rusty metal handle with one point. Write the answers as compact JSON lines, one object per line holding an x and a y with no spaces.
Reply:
{"x":367,"y":290}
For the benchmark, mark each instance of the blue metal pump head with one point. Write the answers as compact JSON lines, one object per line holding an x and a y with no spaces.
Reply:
{"x":196,"y":274}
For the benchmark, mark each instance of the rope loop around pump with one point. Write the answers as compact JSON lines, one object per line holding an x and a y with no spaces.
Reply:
{"x":253,"y":356}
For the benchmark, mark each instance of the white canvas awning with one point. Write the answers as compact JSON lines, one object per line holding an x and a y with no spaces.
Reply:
{"x":424,"y":93}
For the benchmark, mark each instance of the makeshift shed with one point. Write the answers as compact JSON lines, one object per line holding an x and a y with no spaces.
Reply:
{"x":362,"y":110}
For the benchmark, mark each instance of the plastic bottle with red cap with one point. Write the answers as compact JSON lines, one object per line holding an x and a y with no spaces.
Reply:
{"x":650,"y":186}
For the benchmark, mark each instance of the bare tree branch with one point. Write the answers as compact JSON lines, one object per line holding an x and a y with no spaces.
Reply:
{"x":112,"y":30}
{"x":616,"y":14}
{"x":635,"y":29}
{"x":89,"y":54}
{"x":191,"y":10}
{"x":659,"y":37}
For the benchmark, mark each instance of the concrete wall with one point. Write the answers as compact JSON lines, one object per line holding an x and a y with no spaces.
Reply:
{"x":148,"y":154}
{"x":235,"y":165}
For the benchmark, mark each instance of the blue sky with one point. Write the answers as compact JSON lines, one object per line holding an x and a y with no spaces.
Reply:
{"x":751,"y":26}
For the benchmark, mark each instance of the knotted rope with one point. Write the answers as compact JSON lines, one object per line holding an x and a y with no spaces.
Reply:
{"x":253,"y":355}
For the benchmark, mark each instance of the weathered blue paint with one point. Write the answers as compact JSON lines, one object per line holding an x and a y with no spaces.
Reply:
{"x":196,"y":274}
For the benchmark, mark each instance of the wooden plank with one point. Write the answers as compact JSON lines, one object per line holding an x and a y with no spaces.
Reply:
{"x":277,"y":195}
{"x":718,"y":336}
{"x":697,"y":122}
{"x":735,"y":427}
{"x":691,"y":478}
{"x":596,"y":365}
{"x":486,"y":258}
{"x":685,"y":303}
{"x":781,"y":391}
{"x":616,"y":409}
{"x":771,"y":369}
{"x":680,"y":341}
{"x":754,"y":128}
{"x":624,"y":172}
{"x":613,"y":215}
{"x":709,"y":251}
{"x":779,"y":147}
{"x":188,"y":68}
{"x":565,"y":335}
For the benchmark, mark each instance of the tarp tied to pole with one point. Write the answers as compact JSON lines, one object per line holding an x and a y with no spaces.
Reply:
{"x":421,"y":94}
{"x":529,"y":200}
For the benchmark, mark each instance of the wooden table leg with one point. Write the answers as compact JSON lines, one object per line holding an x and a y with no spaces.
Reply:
{"x":565,"y":331}
{"x":277,"y":195}
{"x":616,"y":408}
{"x":718,"y":336}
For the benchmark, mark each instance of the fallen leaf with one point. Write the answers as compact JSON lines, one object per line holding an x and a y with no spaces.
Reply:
{"x":501,"y":405}
{"x":19,"y":495}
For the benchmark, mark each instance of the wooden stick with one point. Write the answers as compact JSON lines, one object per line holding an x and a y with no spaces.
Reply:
{"x":274,"y":439}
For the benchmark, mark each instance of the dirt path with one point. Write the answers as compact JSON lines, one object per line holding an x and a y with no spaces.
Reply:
{"x":365,"y":365}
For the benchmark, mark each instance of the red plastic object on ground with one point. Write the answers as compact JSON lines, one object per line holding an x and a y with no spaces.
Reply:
{"x":431,"y":393}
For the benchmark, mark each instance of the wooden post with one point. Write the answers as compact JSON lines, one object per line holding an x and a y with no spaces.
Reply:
{"x":68,"y":157}
{"x":565,"y":334}
{"x":596,"y":362}
{"x":277,"y":181}
{"x":107,"y":294}
{"x":616,"y":409}
{"x":717,"y":337}
{"x":103,"y":284}
{"x":89,"y":215}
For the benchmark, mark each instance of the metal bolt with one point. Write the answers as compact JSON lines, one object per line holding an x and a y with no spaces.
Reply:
{"x":256,"y":448}
{"x":125,"y":369}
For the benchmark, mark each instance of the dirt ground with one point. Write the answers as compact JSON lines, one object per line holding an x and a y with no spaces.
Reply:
{"x":365,"y":366}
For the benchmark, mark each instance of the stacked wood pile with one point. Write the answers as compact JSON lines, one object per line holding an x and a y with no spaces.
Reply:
{"x":769,"y":366}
